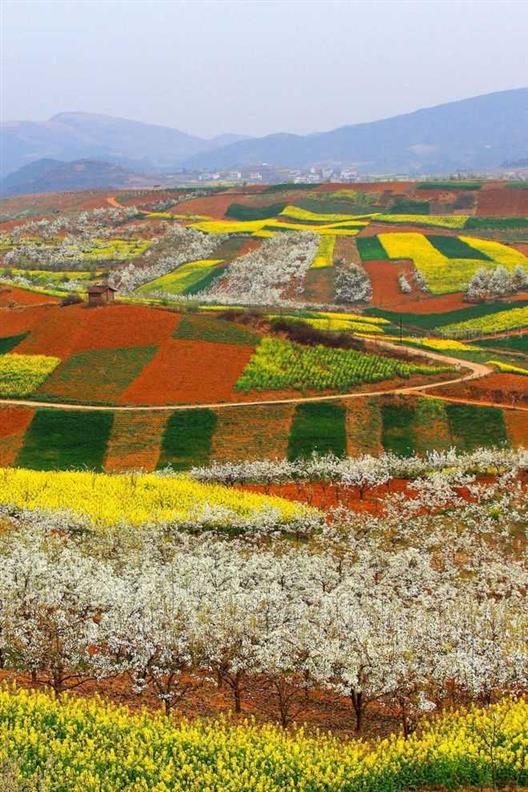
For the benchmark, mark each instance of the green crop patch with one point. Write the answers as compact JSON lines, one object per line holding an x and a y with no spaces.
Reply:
{"x":397,"y":435}
{"x":66,"y":439}
{"x":371,"y":249}
{"x":97,"y":375}
{"x":319,"y":428}
{"x":449,"y":185}
{"x":10,"y":342}
{"x":187,"y":439}
{"x":454,"y":248}
{"x":517,"y":343}
{"x":496,"y":222}
{"x":243,"y":212}
{"x":404,"y":205}
{"x":472,"y":426}
{"x":208,"y":328}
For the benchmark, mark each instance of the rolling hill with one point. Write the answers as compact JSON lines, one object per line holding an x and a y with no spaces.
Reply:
{"x":72,"y":136}
{"x":50,"y":175}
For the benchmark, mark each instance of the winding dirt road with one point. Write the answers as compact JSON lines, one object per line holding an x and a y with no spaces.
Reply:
{"x":472,"y":371}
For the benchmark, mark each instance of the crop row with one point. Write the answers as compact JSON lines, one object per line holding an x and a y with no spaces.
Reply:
{"x":282,"y":365}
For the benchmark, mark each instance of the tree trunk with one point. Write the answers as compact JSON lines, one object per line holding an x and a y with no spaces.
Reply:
{"x":357,"y":703}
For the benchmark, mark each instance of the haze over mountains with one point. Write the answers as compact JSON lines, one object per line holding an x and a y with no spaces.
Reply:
{"x":476,"y":134}
{"x":73,"y":136}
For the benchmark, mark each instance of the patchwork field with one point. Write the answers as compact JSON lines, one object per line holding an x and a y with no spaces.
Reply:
{"x":53,"y":439}
{"x":263,"y":514}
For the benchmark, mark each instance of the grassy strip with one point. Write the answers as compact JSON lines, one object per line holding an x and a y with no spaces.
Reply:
{"x":208,"y":328}
{"x":449,"y":185}
{"x":98,"y":375}
{"x":439,"y":319}
{"x":371,"y":249}
{"x":65,"y":439}
{"x":317,"y":427}
{"x":238,"y":211}
{"x":497,"y":222}
{"x":287,"y":187}
{"x":10,"y":342}
{"x":398,"y":434}
{"x":518,"y":343}
{"x":454,"y":248}
{"x":472,"y":426}
{"x":187,"y":439}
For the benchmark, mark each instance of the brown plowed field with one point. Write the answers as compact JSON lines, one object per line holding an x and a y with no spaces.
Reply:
{"x":54,"y":334}
{"x":14,"y":321}
{"x":190,"y":372}
{"x":508,"y":389}
{"x":121,"y":326}
{"x":503,"y":202}
{"x":10,"y":294}
{"x":13,"y":423}
{"x":386,"y":292}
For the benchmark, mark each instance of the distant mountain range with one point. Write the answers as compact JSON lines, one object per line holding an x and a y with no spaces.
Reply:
{"x":72,"y":136}
{"x":484,"y":132}
{"x":50,"y":175}
{"x":472,"y":134}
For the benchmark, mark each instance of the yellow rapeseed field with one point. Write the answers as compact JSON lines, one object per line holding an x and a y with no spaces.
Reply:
{"x":20,"y":375}
{"x":135,"y":499}
{"x":86,"y":745}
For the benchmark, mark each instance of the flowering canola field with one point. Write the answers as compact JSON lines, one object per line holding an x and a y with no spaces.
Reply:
{"x":20,"y":375}
{"x":133,"y":499}
{"x":85,"y":745}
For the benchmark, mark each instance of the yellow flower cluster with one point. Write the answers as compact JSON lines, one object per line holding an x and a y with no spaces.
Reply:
{"x":325,"y":252}
{"x":297,"y":213}
{"x":87,"y":745}
{"x":182,"y":278}
{"x":135,"y":499}
{"x":20,"y":375}
{"x":442,"y":221}
{"x":498,"y":252}
{"x":508,"y":368}
{"x":510,"y":319}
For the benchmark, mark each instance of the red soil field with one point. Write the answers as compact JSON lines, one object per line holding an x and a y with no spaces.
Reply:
{"x":384,"y":276}
{"x":13,"y":423}
{"x":425,"y":303}
{"x":14,"y":321}
{"x":327,"y":495}
{"x":191,"y":372}
{"x":121,"y":326}
{"x":11,"y":294}
{"x":212,"y":205}
{"x":55,"y":334}
{"x":502,"y":202}
{"x":507,"y":389}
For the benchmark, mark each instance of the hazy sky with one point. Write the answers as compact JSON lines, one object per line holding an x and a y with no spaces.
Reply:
{"x":256,"y":66}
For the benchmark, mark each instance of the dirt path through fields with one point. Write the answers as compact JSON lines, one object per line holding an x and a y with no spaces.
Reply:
{"x":473,"y":371}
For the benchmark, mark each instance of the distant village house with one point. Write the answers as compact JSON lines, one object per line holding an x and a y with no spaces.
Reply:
{"x":101,"y":294}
